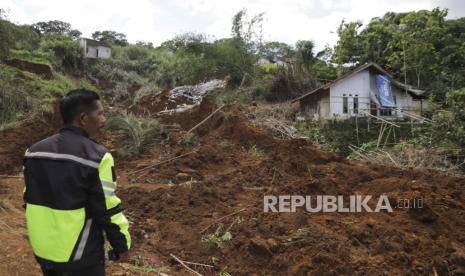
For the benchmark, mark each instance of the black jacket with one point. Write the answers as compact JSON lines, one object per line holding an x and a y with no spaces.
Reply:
{"x":70,"y":200}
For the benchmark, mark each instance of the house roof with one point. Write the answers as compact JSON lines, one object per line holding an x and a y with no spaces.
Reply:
{"x":410,"y":89}
{"x":92,"y":42}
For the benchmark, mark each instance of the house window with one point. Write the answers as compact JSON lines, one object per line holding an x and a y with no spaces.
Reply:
{"x":386,"y":111}
{"x":345,"y":106}
{"x":356,"y":104}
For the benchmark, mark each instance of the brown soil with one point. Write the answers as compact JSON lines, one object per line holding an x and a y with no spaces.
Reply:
{"x":42,"y":70}
{"x":167,"y":215}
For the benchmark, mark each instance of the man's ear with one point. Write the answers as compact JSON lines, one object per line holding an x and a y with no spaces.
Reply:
{"x":82,"y":118}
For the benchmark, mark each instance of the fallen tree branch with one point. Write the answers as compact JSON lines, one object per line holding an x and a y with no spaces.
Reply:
{"x":218,"y":220}
{"x":161,"y":162}
{"x":185,"y":266}
{"x":204,"y":120}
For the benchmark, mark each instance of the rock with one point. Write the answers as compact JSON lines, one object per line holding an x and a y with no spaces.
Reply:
{"x":272,"y":244}
{"x":182,"y":177}
{"x":259,"y":246}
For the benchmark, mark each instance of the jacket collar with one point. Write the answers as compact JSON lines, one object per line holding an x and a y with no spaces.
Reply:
{"x":75,"y":130}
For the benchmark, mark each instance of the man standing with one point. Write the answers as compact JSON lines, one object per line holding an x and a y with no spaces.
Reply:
{"x":70,"y":194}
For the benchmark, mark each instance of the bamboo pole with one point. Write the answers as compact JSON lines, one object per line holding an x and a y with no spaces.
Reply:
{"x":161,"y":162}
{"x":204,"y":120}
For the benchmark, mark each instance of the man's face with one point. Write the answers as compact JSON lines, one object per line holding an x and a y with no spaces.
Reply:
{"x":92,"y":122}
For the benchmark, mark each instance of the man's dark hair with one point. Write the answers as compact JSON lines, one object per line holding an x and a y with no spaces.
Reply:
{"x":77,"y":101}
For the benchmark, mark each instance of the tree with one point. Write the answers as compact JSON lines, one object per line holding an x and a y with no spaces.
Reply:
{"x":74,"y":34}
{"x":55,"y":26}
{"x":428,"y":50}
{"x":3,"y":14}
{"x":348,"y":48}
{"x":249,"y":30}
{"x":144,"y":44}
{"x":276,"y":51}
{"x":111,"y":37}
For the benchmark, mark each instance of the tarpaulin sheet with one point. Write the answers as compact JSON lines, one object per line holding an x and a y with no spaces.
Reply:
{"x":385,"y":92}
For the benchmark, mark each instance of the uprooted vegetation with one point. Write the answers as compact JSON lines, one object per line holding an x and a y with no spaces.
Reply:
{"x":170,"y":217}
{"x":193,"y":189}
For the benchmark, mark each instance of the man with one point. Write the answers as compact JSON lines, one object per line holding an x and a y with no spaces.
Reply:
{"x":70,"y":194}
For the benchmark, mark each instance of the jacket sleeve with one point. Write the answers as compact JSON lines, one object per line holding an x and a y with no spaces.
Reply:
{"x":105,"y":207}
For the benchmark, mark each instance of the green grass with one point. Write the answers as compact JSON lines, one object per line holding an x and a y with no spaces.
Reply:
{"x":188,"y":140}
{"x":138,"y":133}
{"x":254,"y":151}
{"x":35,"y":56}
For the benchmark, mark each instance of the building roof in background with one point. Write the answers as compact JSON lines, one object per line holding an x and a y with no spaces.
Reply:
{"x":414,"y":92}
{"x":92,"y":42}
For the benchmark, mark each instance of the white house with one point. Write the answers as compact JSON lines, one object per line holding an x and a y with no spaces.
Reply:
{"x":366,"y":89}
{"x":94,"y":49}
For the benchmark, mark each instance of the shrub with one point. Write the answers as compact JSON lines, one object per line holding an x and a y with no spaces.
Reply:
{"x":254,"y":151}
{"x":188,"y":140}
{"x":138,"y":134}
{"x":218,"y":238}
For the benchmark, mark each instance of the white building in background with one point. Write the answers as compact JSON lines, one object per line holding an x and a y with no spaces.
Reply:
{"x":95,"y":49}
{"x":357,"y":93}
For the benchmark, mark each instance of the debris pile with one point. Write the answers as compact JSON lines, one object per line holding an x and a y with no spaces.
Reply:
{"x":188,"y":96}
{"x":203,"y":211}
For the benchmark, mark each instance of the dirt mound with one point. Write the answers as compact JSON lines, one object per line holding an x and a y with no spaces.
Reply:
{"x":226,"y":177}
{"x":16,"y":140}
{"x":176,"y":207}
{"x":40,"y":69}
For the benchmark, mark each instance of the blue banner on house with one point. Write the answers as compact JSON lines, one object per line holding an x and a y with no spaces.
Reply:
{"x":385,"y":92}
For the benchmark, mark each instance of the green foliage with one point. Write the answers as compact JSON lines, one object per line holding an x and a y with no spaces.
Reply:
{"x":144,"y":91}
{"x":337,"y":135}
{"x":33,"y":56}
{"x":189,"y":184}
{"x":56,"y":27}
{"x":241,"y":96}
{"x":448,"y":127}
{"x":16,"y":37}
{"x":432,"y":48}
{"x":255,"y":151}
{"x":141,"y":265}
{"x":14,"y":97}
{"x":302,"y":234}
{"x":188,"y":140}
{"x":67,"y":56}
{"x":276,"y":51}
{"x":110,"y":37}
{"x":138,"y":134}
{"x":218,"y":238}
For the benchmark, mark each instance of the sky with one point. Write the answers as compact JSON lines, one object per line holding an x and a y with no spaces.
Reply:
{"x":157,"y":21}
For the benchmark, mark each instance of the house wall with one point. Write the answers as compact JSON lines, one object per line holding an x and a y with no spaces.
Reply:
{"x":104,"y":52}
{"x":94,"y":51}
{"x":91,"y":52}
{"x":357,"y":85}
{"x":326,"y":105}
{"x":315,"y":106}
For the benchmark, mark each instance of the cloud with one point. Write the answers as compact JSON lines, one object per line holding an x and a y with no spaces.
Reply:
{"x":157,"y":20}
